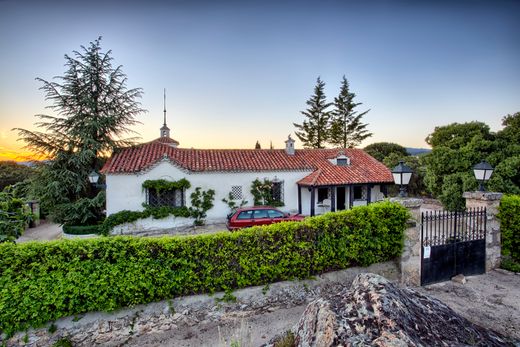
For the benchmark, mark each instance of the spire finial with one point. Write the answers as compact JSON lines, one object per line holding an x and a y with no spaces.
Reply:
{"x":164,"y":106}
{"x":165,"y":131}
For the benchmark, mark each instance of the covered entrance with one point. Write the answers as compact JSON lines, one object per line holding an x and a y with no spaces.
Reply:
{"x":341,"y":198}
{"x":452,"y":243}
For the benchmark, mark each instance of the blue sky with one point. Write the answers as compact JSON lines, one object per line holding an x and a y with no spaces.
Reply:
{"x":238,"y":71}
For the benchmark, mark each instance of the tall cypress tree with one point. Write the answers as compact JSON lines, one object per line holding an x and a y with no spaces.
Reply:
{"x":346,"y":128}
{"x":314,"y":130}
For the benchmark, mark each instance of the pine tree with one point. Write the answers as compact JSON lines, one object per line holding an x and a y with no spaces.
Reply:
{"x":257,"y":145}
{"x":314,"y":130}
{"x":93,"y":112}
{"x":346,"y":128}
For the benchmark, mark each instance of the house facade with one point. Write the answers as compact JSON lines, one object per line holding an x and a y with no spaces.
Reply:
{"x":306,"y":181}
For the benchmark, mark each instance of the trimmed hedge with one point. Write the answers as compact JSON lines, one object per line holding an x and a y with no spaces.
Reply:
{"x":509,"y":215}
{"x":41,"y":282}
{"x":126,"y":216}
{"x":81,"y":229}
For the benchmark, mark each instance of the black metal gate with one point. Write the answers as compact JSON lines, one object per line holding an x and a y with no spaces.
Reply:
{"x":452,"y":243}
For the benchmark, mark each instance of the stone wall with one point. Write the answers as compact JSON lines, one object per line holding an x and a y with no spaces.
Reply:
{"x":490,"y":201}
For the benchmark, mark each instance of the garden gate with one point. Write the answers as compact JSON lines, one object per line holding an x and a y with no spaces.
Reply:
{"x":452,"y":243}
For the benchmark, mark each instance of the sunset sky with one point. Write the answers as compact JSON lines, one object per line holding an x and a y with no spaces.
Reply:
{"x":240,"y":71}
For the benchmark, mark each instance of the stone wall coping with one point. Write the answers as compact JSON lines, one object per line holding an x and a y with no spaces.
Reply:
{"x":408,"y":202}
{"x":488,"y":196}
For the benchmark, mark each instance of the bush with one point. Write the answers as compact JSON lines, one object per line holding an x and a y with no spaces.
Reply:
{"x":81,"y":229}
{"x":41,"y":282}
{"x":127,"y":216}
{"x":509,"y":215}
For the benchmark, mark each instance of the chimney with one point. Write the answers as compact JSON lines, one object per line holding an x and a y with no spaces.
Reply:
{"x":289,"y":145}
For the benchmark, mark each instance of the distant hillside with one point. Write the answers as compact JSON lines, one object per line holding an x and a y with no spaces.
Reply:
{"x":418,"y":151}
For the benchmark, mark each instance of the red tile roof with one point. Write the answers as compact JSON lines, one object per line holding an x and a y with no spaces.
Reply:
{"x":363,"y":168}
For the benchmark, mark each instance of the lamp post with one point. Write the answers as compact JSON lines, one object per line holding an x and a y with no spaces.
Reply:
{"x":483,"y":172}
{"x":402,"y":175}
{"x":93,"y":178}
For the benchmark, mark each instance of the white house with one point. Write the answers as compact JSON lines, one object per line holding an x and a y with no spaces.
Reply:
{"x":307,"y":181}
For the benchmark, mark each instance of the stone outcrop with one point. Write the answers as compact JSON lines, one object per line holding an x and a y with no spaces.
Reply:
{"x":376,"y":312}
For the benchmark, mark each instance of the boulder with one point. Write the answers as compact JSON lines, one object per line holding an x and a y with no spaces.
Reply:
{"x":376,"y":312}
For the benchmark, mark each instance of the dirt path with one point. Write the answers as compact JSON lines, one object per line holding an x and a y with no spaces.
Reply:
{"x":491,"y":301}
{"x":44,"y":231}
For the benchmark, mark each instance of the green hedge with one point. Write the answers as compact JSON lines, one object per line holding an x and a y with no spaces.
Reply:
{"x":509,"y":215}
{"x":41,"y":282}
{"x":81,"y":229}
{"x":127,"y":216}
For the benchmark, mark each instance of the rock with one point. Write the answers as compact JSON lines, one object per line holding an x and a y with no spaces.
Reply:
{"x":376,"y":312}
{"x":459,"y":279}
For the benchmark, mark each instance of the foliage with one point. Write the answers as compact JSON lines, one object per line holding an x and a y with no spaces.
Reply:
{"x":456,"y":148}
{"x":456,"y":135}
{"x":201,"y":202}
{"x":43,"y":281}
{"x":509,"y":215}
{"x":263,"y":193}
{"x":346,"y":128}
{"x":12,"y":172}
{"x":381,"y":150}
{"x":162,"y":185}
{"x":232,"y":204}
{"x":313,"y":132}
{"x":84,"y":211}
{"x":81,"y":229}
{"x":93,"y":112}
{"x":416,"y":186}
{"x":13,"y":216}
{"x":126,"y":216}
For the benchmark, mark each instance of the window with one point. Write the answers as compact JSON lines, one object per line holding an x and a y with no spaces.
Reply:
{"x":342,"y":161}
{"x":277,"y":191}
{"x":275,"y":214}
{"x":360,"y":193}
{"x":323,"y":193}
{"x":171,"y":197}
{"x":245,"y":215}
{"x":260,"y":214}
{"x":236,"y":192}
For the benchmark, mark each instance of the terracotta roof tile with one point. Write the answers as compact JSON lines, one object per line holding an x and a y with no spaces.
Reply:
{"x":363,"y":168}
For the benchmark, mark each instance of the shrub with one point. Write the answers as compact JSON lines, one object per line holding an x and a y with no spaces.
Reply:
{"x":127,"y":216}
{"x":41,"y":282}
{"x":509,"y":215}
{"x":81,"y":229}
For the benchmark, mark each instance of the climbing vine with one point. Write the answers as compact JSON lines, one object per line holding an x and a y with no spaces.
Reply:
{"x":201,"y":202}
{"x":162,"y":184}
{"x":263,"y":193}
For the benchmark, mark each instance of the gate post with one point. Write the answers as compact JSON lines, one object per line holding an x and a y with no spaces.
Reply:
{"x":490,"y":201}
{"x":411,"y":256}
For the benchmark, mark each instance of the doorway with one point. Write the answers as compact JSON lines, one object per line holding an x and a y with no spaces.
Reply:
{"x":340,"y":200}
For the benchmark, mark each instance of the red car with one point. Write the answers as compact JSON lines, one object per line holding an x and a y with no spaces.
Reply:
{"x":261,"y":215}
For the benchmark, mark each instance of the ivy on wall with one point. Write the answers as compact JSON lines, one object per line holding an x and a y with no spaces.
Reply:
{"x":263,"y":193}
{"x":162,"y":184}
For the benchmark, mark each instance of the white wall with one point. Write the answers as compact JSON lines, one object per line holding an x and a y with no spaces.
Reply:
{"x":125,"y":192}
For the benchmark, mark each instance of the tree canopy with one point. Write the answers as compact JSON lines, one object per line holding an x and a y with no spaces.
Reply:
{"x":346,"y":128}
{"x":93,"y":112}
{"x":456,"y":148}
{"x":381,"y":150}
{"x":314,"y":131}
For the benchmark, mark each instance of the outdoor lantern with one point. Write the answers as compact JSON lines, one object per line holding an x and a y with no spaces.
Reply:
{"x":93,"y":177}
{"x":402,"y":175}
{"x":483,"y":172}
